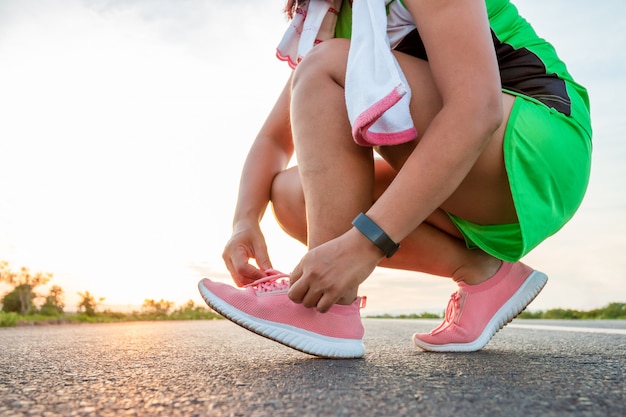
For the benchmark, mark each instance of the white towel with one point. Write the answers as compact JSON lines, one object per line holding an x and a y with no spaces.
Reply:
{"x":313,"y":22}
{"x":377,"y":92}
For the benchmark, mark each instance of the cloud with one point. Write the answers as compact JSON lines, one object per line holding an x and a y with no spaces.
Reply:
{"x":217,"y":21}
{"x":175,"y":20}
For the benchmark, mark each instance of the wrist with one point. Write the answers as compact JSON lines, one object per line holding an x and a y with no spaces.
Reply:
{"x":376,"y":235}
{"x":248,"y":215}
{"x":361,"y":245}
{"x":240,"y":224}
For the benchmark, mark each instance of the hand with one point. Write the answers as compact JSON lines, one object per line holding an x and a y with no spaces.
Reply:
{"x":246,"y":243}
{"x":332,"y":272}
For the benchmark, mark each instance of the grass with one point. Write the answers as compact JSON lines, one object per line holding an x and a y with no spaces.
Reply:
{"x":613,"y":311}
{"x":14,"y":319}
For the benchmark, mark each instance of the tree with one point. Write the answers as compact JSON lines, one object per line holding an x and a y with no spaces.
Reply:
{"x":191,"y":311}
{"x":53,"y":306}
{"x":157,"y":308}
{"x":20,"y":300}
{"x":611,"y":311}
{"x":88,"y":303}
{"x":190,"y":306}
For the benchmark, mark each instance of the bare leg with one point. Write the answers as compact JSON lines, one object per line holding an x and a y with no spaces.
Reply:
{"x":337,"y":175}
{"x":427,"y":249}
{"x":288,"y":198}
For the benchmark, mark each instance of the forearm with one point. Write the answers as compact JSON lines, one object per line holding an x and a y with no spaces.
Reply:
{"x":265,"y":160}
{"x":434,"y":170}
{"x":269,"y":155}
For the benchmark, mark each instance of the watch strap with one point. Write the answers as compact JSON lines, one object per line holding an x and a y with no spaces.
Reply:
{"x":375,"y":234}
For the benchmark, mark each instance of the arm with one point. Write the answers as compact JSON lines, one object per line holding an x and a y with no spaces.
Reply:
{"x":464,"y":67}
{"x":270,"y":153}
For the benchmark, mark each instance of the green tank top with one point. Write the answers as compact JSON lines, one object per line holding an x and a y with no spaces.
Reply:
{"x":343,"y":28}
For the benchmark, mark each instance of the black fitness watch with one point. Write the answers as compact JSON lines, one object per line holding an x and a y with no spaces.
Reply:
{"x":375,"y":234}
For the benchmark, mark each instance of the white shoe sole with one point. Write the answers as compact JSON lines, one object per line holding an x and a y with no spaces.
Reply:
{"x":524,"y":295}
{"x":291,"y":336}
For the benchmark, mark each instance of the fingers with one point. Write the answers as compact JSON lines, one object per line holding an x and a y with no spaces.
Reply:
{"x":325,"y":303}
{"x":247,"y":274}
{"x":262,"y":258}
{"x":297,"y":288}
{"x":300,"y":289}
{"x":237,"y":263}
{"x":303,"y":294}
{"x":305,"y":291}
{"x":312,"y":298}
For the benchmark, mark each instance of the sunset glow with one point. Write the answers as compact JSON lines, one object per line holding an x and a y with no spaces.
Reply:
{"x":125,"y":125}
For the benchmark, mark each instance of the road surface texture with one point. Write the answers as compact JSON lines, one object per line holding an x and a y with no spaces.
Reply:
{"x":214,"y":368}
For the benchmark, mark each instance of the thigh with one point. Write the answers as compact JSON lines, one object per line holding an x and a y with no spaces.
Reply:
{"x":425,"y":104}
{"x":484,"y":196}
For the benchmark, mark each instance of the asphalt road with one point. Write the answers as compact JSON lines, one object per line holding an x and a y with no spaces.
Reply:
{"x":214,"y":368}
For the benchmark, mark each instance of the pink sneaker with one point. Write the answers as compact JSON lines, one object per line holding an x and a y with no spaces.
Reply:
{"x":263,"y":307}
{"x":476,"y":312}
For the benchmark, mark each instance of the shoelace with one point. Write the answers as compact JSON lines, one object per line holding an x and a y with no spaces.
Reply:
{"x":452,"y":310}
{"x":271,"y":283}
{"x":276,"y":282}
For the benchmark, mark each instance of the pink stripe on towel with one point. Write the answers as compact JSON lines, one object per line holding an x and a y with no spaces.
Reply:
{"x":362,"y":124}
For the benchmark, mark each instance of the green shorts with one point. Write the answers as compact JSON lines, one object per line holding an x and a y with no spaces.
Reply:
{"x":548,"y":160}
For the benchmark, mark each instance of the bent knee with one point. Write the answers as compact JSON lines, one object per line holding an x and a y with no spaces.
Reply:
{"x":286,"y":188}
{"x":288,"y":206}
{"x":327,"y":58}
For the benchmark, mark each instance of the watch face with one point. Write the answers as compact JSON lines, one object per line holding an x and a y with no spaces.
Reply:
{"x":375,"y":234}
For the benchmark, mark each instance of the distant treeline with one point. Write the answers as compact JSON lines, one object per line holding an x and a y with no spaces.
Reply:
{"x":24,"y":305}
{"x":613,"y":311}
{"x":150,"y":310}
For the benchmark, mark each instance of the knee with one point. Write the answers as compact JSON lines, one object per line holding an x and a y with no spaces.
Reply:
{"x":286,"y":193}
{"x":324,"y":60}
{"x":288,"y":206}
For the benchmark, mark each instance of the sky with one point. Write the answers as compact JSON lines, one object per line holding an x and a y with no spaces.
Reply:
{"x":124,"y":125}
